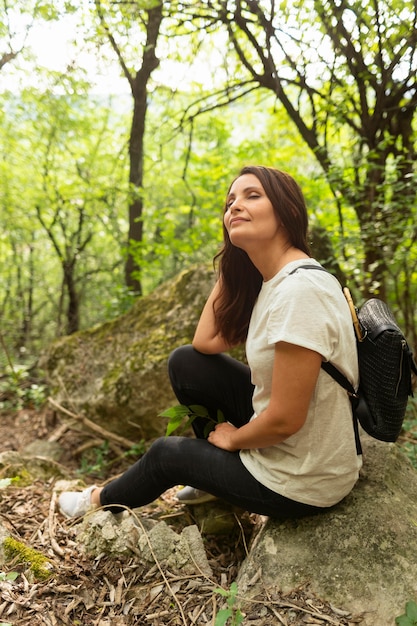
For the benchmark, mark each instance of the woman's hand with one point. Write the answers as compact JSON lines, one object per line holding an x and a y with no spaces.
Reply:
{"x":294,"y":377}
{"x":222,"y":436}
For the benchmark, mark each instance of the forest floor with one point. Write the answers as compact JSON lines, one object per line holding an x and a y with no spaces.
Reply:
{"x":107,"y":591}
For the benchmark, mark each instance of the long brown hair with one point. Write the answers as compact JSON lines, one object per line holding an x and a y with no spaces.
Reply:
{"x":241,"y":281}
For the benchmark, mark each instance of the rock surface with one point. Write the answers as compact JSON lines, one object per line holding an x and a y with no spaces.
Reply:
{"x":116,"y":373}
{"x":26,"y":467}
{"x":154,"y":543}
{"x":362,"y":555}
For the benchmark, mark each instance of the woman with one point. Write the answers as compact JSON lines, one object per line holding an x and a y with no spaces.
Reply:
{"x":287,"y":447}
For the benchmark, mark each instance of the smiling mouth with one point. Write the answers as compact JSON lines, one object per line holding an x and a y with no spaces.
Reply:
{"x":237,"y":220}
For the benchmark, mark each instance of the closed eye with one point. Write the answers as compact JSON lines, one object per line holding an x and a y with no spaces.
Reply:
{"x":249,"y":193}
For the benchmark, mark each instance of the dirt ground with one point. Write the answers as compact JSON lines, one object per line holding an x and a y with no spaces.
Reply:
{"x":104,"y":591}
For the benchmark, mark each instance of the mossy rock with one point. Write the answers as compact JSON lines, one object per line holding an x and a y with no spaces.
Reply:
{"x":24,"y":469}
{"x":116,"y":373}
{"x":361,"y":555}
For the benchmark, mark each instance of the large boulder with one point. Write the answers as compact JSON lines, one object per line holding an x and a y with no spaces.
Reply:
{"x":116,"y":373}
{"x":362,"y":555}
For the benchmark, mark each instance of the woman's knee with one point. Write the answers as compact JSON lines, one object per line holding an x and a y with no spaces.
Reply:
{"x":178,"y":355}
{"x":181,"y":363}
{"x":164,"y":446}
{"x":157,"y":455}
{"x":159,"y":446}
{"x":166,"y":456}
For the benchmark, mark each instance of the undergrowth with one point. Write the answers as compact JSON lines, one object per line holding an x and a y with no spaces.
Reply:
{"x":97,"y":461}
{"x":20,"y":389}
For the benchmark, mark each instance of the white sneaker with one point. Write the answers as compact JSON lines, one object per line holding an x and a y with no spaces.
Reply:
{"x":190,"y":495}
{"x":76,"y":503}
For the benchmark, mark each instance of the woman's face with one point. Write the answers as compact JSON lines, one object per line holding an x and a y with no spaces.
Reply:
{"x":249,"y":218}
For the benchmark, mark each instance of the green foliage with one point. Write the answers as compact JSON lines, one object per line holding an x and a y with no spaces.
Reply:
{"x":137,"y":450}
{"x":64,"y":196}
{"x":63,"y":202}
{"x":410,"y":616}
{"x":18,"y":390}
{"x":64,"y":151}
{"x":232,"y":612}
{"x":97,"y":461}
{"x":182,"y":416}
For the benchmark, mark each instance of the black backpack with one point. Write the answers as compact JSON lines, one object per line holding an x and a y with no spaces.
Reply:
{"x":385,"y":366}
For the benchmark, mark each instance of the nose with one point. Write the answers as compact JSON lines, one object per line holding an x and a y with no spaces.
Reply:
{"x":234,"y":205}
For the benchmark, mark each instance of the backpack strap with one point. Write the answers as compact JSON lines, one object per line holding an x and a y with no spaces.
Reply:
{"x":337,"y":374}
{"x":309,"y":266}
{"x":353,"y":397}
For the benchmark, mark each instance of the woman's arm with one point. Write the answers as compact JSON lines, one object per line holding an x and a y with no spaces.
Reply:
{"x":294,"y":378}
{"x":206,"y":338}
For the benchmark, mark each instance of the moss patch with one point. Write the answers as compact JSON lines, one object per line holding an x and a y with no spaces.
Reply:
{"x":38,"y":563}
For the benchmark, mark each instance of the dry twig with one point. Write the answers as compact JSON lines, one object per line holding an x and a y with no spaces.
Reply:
{"x":126,"y":443}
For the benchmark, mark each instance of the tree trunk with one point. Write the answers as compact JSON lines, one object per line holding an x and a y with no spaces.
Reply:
{"x":139,"y":88}
{"x":73,"y":308}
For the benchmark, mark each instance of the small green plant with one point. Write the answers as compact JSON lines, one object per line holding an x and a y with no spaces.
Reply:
{"x":410,"y":616}
{"x":98,"y":460}
{"x":137,"y":450}
{"x":231,"y":613}
{"x":95,"y":460}
{"x":182,"y":416}
{"x":10,"y":576}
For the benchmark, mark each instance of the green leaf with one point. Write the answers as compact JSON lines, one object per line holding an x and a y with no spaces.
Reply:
{"x":199,"y":410}
{"x":411,"y":610}
{"x":176,"y":416}
{"x":220,"y":417}
{"x":9,"y":576}
{"x":176,"y":423}
{"x":171,"y":427}
{"x":179,"y":411}
{"x":403,"y":620}
{"x":238,"y":618}
{"x":222,"y":617}
{"x":233,"y":588}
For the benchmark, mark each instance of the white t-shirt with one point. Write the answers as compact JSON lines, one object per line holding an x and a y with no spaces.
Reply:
{"x":319,"y":464}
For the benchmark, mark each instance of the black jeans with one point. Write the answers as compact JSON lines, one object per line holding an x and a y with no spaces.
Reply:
{"x":216,"y":382}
